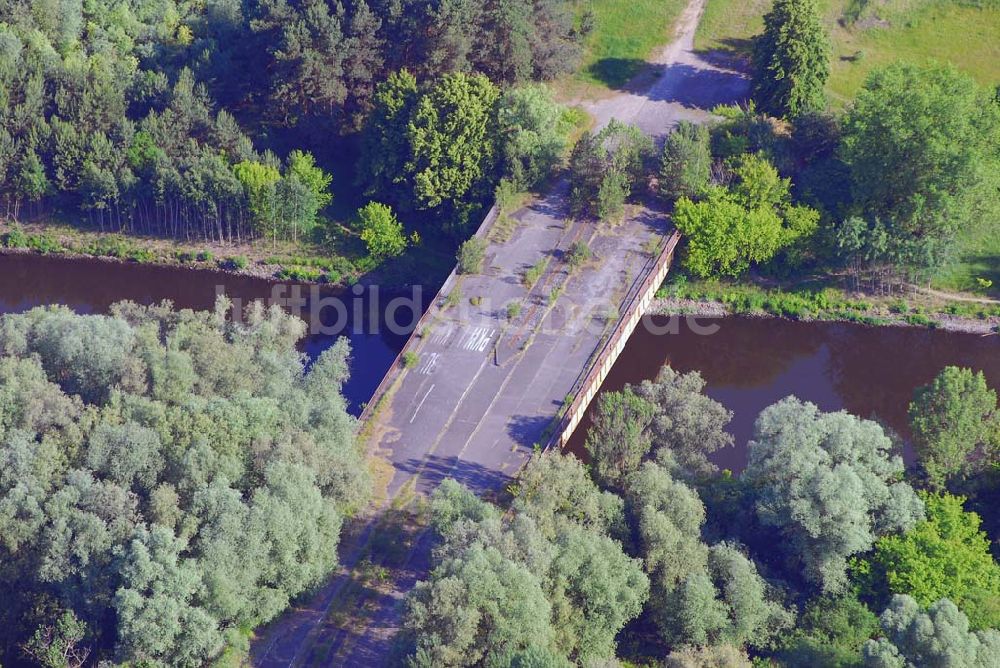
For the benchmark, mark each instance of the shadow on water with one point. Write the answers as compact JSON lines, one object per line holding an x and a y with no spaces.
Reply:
{"x":92,"y":286}
{"x":750,"y":364}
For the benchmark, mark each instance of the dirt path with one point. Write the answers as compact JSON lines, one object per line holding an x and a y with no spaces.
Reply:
{"x":954,"y":296}
{"x":686,"y":85}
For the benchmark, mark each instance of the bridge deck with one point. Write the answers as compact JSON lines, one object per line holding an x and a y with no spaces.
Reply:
{"x":486,"y":388}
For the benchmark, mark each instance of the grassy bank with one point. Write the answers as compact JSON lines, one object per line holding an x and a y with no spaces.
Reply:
{"x":302,"y":262}
{"x":817,"y":302}
{"x":625,"y":36}
{"x":866,"y":35}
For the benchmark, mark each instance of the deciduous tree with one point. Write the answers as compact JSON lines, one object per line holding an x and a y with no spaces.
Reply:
{"x":830,"y":483}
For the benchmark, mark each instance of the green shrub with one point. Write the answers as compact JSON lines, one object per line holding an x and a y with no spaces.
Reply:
{"x":140,"y":255}
{"x":920,"y":320}
{"x":44,"y":243}
{"x":236,"y":262}
{"x":578,"y":254}
{"x":513,"y":310}
{"x":205,"y":256}
{"x":533,"y":273}
{"x":108,"y":246}
{"x":508,"y":196}
{"x":471,"y":255}
{"x":16,"y":238}
{"x":304,"y":274}
{"x":454,"y":297}
{"x":410,"y":359}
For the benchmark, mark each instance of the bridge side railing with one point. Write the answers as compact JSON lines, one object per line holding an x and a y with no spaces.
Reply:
{"x":637,"y":303}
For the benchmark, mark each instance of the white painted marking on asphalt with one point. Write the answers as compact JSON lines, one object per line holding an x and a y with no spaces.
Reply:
{"x":430,"y":364}
{"x":469,"y":339}
{"x":485,"y":341}
{"x":441,"y":337}
{"x":421,"y":404}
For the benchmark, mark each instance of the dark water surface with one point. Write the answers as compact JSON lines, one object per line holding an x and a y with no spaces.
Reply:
{"x":751,"y":363}
{"x":748,"y":364}
{"x":92,"y":286}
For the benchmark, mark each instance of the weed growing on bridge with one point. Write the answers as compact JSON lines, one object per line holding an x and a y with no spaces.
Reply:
{"x":410,"y":359}
{"x":471,"y":255}
{"x":454,"y":297}
{"x":578,"y":255}
{"x":533,"y":273}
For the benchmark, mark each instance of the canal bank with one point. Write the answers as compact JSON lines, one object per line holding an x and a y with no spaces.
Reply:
{"x":87,"y":285}
{"x":749,"y":363}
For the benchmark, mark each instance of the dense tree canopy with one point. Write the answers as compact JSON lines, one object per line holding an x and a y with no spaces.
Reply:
{"x":923,"y":145}
{"x":938,"y":637}
{"x":606,"y":167}
{"x":944,"y":556}
{"x":549,"y":579}
{"x":747,"y":223}
{"x":137,"y":114}
{"x":686,"y":162}
{"x":952,"y":419}
{"x":829,"y":482}
{"x":166,"y":478}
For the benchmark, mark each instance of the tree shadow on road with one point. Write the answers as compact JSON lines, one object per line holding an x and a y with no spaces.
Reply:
{"x":734,"y":54}
{"x":527,"y":430}
{"x":700,"y":88}
{"x":434,"y":470}
{"x":628,"y":74}
{"x":691,"y":86}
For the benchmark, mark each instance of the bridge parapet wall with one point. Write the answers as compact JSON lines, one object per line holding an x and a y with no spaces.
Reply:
{"x":636,"y":305}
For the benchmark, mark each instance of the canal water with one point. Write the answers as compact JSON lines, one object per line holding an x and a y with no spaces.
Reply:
{"x":750,"y":363}
{"x":92,"y":286}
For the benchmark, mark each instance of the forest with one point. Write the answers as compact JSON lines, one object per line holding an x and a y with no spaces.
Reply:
{"x":168,"y":481}
{"x":219,"y":120}
{"x":824,"y":551}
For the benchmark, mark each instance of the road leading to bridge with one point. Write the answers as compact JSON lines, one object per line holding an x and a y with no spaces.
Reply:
{"x":486,"y":385}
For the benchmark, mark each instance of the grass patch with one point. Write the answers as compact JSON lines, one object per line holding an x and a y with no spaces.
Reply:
{"x":624,"y":37}
{"x":533,"y":273}
{"x":821,"y":303}
{"x":727,"y":25}
{"x":410,"y":359}
{"x":454,"y":298}
{"x":978,"y":258}
{"x":914,"y":30}
{"x":578,"y":255}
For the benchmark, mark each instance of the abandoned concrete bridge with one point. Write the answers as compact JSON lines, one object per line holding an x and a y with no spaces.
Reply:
{"x":504,"y":361}
{"x":487,"y":383}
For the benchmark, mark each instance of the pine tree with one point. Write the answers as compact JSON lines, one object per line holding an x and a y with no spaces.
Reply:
{"x":791,"y":60}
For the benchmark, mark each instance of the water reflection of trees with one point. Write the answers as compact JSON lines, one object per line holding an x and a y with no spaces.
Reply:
{"x":744,"y":353}
{"x":875,"y":370}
